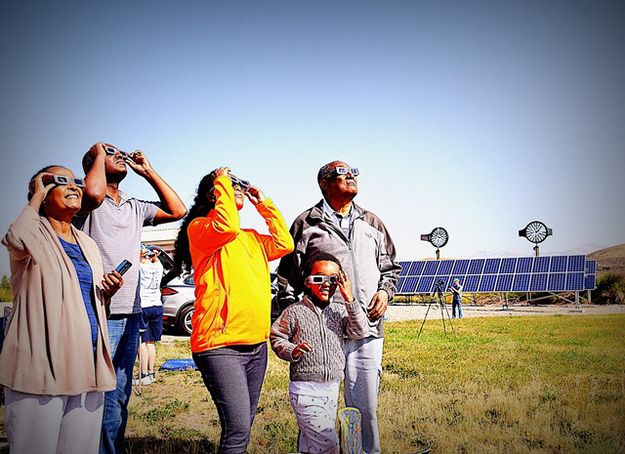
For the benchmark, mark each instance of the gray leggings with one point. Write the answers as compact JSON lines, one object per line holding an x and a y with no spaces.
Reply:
{"x":234,"y":377}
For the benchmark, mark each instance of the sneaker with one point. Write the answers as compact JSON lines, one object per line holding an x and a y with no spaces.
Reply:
{"x":152,"y":376}
{"x":145,"y":380}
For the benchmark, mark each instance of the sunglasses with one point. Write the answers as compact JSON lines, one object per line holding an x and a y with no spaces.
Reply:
{"x":62,"y":180}
{"x":243,"y":184}
{"x":112,"y":150}
{"x":319,"y":279}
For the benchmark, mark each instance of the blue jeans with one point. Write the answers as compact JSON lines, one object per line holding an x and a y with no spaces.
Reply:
{"x":124,"y":341}
{"x":363,"y":367}
{"x":234,"y":377}
{"x":456,"y":304}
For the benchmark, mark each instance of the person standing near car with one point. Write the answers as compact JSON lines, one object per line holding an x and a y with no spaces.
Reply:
{"x":151,"y":328}
{"x":231,"y":321}
{"x":359,"y":239}
{"x":115,"y":225}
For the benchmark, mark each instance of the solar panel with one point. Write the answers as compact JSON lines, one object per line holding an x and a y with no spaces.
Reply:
{"x":461,"y":267}
{"x":556,"y":282}
{"x":590,"y":279}
{"x":541,"y":265}
{"x":430,"y":267}
{"x":487,"y":284}
{"x":538,"y":283}
{"x":425,"y":284}
{"x":558,"y":264}
{"x":491,"y":266}
{"x":524,"y":264}
{"x":576,"y":263}
{"x":591,"y":266}
{"x":507,"y":265}
{"x":504,"y":283}
{"x":404,"y":268}
{"x":471,"y":283}
{"x":590,"y":282}
{"x":575,"y":281}
{"x":410,"y":284}
{"x":511,"y":274}
{"x":416,"y":268}
{"x":445,"y":267}
{"x":476,"y":266}
{"x":521,"y":283}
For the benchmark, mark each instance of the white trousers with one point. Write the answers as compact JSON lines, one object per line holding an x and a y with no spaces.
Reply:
{"x":363,"y":367}
{"x":314,"y":405}
{"x":38,"y":424}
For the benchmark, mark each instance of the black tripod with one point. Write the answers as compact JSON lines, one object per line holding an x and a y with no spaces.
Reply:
{"x":443,"y":307}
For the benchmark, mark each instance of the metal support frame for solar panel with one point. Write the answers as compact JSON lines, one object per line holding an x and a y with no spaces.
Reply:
{"x":551,"y":274}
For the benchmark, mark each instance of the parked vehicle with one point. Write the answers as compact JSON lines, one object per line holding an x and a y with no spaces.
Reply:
{"x":178,"y":296}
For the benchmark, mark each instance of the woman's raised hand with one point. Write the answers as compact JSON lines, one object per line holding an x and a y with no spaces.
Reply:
{"x":255,"y":195}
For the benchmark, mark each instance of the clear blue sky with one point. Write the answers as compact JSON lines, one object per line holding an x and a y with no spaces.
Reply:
{"x":476,"y":116}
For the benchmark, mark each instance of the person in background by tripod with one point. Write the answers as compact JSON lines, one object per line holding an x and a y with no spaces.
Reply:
{"x":456,"y":290}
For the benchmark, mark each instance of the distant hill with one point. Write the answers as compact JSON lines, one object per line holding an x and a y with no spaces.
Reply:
{"x":610,"y":259}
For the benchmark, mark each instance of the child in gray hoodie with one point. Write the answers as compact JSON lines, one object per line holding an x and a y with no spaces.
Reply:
{"x":310,"y":335}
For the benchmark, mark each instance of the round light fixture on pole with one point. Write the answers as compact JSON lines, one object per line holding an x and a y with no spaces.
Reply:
{"x":438,"y":238}
{"x":536,"y":232}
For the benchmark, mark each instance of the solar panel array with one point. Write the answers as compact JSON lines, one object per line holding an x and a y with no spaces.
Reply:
{"x":511,"y":274}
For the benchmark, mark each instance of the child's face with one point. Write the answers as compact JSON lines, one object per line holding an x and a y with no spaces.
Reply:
{"x":324,"y":291}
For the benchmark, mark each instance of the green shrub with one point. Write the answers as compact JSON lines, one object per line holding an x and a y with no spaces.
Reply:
{"x":610,"y":289}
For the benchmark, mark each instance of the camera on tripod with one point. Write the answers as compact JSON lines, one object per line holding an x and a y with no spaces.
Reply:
{"x":438,"y":290}
{"x":438,"y":286}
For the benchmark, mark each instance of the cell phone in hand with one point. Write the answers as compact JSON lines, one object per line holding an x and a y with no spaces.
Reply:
{"x":123,"y":266}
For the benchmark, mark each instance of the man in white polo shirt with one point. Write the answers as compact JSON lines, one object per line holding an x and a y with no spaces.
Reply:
{"x":114,"y":220}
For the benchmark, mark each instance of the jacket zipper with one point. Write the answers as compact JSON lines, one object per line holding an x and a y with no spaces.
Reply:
{"x":351,"y":254}
{"x":326,"y":374}
{"x":223,"y":327}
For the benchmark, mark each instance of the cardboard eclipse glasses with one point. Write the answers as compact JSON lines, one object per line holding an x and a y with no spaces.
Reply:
{"x":319,"y":279}
{"x":112,"y":150}
{"x":62,"y":180}
{"x":243,"y":184}
{"x":346,"y":170}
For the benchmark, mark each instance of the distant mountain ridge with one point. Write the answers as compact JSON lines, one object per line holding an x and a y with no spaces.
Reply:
{"x":610,"y":259}
{"x":583,"y":249}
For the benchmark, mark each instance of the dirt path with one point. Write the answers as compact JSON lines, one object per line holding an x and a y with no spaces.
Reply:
{"x":417,"y":312}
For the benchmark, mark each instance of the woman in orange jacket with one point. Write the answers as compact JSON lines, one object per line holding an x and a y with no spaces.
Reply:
{"x":231,"y":321}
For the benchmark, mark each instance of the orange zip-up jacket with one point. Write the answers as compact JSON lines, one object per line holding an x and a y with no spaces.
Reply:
{"x":232,"y":282}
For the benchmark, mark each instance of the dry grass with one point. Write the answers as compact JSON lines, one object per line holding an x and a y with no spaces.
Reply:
{"x":526,"y":384}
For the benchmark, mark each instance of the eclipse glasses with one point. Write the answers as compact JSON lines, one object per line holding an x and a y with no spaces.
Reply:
{"x":319,"y":279}
{"x":62,"y":180}
{"x":341,"y":171}
{"x":243,"y":184}
{"x":110,"y":150}
{"x":346,"y":170}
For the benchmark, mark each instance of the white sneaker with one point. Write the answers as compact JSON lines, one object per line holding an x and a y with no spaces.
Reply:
{"x":145,"y":380}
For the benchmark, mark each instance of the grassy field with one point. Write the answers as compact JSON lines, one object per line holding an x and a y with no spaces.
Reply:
{"x":523,"y":384}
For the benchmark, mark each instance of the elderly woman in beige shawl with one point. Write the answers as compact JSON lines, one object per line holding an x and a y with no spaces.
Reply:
{"x":55,"y":363}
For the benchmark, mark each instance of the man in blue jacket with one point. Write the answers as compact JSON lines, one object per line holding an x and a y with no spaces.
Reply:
{"x":359,"y":239}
